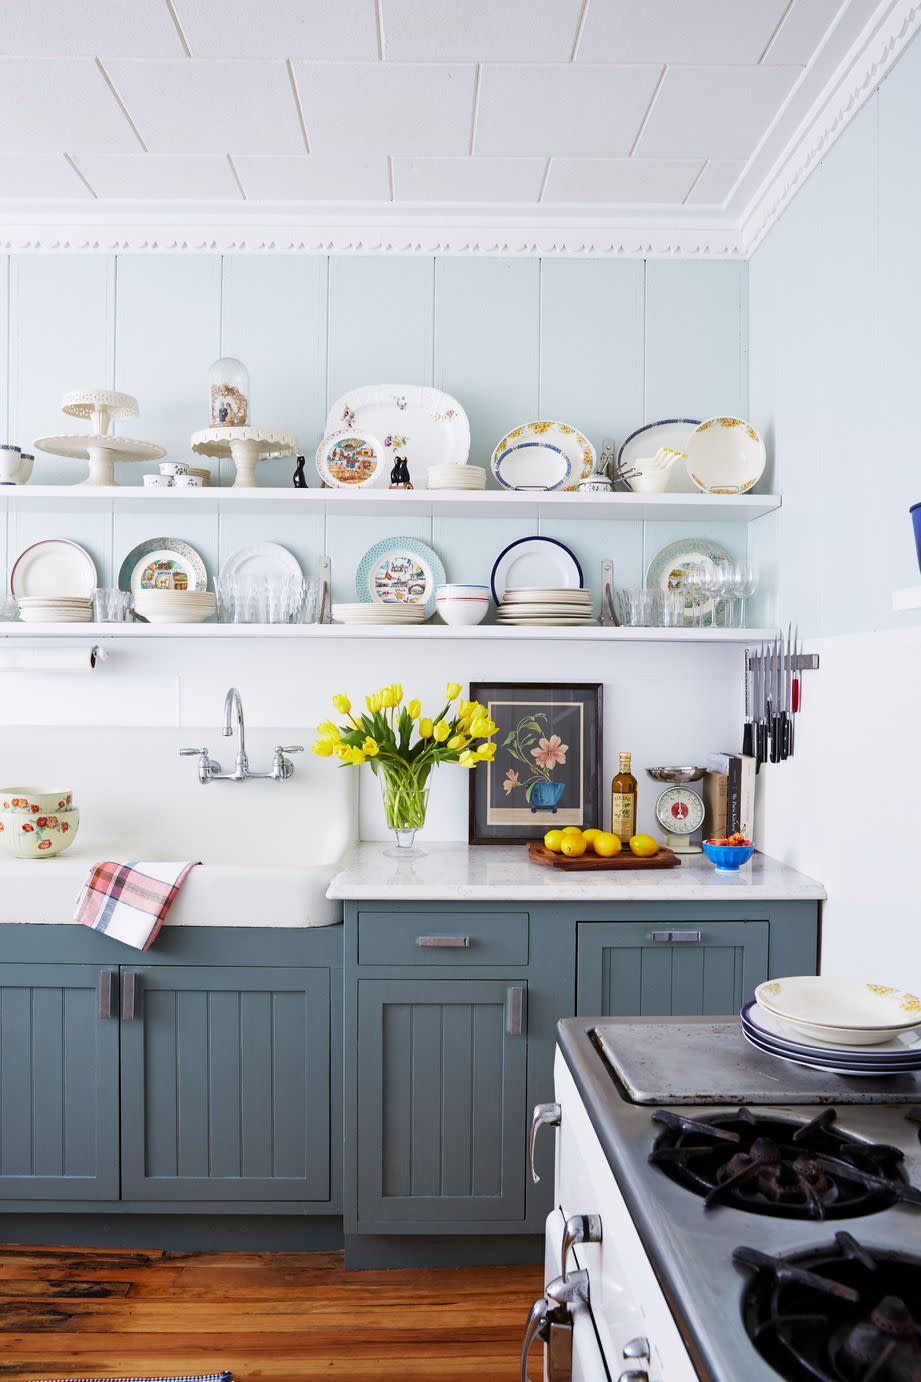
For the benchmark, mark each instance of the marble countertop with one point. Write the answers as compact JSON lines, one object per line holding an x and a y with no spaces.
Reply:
{"x":484,"y":873}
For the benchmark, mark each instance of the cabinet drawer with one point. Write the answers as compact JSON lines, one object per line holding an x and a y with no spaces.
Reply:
{"x":459,"y":939}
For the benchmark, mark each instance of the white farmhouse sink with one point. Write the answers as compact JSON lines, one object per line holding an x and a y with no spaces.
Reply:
{"x":268,"y":849}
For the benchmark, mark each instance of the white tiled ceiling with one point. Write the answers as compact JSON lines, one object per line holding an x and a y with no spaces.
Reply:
{"x":516,"y":105}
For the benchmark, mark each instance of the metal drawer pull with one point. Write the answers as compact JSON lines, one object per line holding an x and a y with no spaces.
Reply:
{"x":514,"y":1010}
{"x":633,"y":1376}
{"x":443,"y":942}
{"x":580,"y":1228}
{"x":675,"y":937}
{"x":544,"y":1116}
{"x":129,"y":995}
{"x":637,"y":1349}
{"x":105,"y":990}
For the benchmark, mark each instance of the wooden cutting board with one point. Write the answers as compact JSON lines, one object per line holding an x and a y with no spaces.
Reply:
{"x":664,"y":859}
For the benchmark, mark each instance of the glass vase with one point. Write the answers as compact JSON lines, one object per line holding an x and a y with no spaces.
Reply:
{"x":405,"y":795}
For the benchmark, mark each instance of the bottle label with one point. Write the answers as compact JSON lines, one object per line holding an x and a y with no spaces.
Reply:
{"x":623,"y":815}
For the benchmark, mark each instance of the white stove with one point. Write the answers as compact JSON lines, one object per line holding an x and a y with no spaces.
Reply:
{"x":723,"y":1216}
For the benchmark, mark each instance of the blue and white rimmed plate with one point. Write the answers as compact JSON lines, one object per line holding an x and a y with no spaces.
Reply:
{"x":830,"y":1064}
{"x":642,"y":445}
{"x":669,"y":568}
{"x":539,"y":564}
{"x":542,"y":456}
{"x":400,"y":571}
{"x":904,"y":1049}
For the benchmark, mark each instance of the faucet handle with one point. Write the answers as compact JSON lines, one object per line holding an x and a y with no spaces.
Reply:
{"x":289,"y":748}
{"x":191,"y":753}
{"x":282,"y":767}
{"x":207,"y":767}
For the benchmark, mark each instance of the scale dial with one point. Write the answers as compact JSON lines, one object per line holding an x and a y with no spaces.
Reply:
{"x":680,"y":811}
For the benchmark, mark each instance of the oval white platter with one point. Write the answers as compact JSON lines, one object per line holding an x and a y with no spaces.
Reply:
{"x":543,"y":456}
{"x":643,"y":444}
{"x":425,"y":425}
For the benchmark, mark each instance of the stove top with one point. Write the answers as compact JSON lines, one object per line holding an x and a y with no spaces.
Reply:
{"x":741,"y":1149}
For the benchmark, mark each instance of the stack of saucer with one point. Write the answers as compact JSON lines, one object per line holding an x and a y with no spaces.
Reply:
{"x":174,"y":606}
{"x":55,"y":609}
{"x":379,"y":614}
{"x":546,"y":607}
{"x":451,"y":476}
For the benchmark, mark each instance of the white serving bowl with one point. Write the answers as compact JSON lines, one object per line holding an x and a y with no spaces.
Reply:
{"x":465,"y":610}
{"x":480,"y":592}
{"x":38,"y":837}
{"x":34,"y":801}
{"x":839,"y":1010}
{"x":725,"y":455}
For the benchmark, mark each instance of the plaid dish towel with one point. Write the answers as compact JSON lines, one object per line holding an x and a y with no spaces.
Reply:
{"x":130,"y":901}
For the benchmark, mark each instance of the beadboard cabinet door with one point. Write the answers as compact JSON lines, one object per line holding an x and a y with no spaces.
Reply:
{"x":225,"y":1077}
{"x":58,"y":1082}
{"x":668,"y":969}
{"x":441,"y":1100}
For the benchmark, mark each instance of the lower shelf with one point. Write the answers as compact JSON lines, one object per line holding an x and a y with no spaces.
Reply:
{"x":594,"y":634}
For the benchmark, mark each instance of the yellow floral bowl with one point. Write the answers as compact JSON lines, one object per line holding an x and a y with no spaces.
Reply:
{"x":35,"y":801}
{"x":41,"y":836}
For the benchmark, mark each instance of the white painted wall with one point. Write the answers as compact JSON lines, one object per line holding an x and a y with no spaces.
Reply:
{"x":835,"y":364}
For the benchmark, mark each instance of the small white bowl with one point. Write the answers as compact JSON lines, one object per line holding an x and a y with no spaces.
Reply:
{"x":460,"y":592}
{"x":188,"y":482}
{"x":174,"y":468}
{"x":158,"y":481}
{"x":465,"y":610}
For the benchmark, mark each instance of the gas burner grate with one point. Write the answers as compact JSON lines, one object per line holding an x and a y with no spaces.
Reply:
{"x":838,"y":1314}
{"x":789,"y":1170}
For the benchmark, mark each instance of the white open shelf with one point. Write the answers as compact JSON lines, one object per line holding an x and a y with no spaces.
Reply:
{"x":593,"y":634}
{"x":907,"y":598}
{"x":729,"y":508}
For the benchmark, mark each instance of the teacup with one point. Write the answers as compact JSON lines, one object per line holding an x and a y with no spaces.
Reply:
{"x":10,"y":463}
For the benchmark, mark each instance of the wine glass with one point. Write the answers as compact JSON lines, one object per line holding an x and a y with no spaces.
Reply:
{"x":743,"y":583}
{"x":693,"y":587}
{"x":711,"y":586}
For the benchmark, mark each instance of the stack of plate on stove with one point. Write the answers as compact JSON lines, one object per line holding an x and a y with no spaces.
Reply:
{"x":453,"y":476}
{"x":174,"y":606}
{"x":545,"y":606}
{"x":55,"y":609}
{"x":843,"y":1026}
{"x":393,"y":613}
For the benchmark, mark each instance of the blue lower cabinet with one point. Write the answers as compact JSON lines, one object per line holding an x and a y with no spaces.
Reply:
{"x":225,"y":1083}
{"x":441,"y":1085}
{"x":669,"y":969}
{"x":58,"y":1082}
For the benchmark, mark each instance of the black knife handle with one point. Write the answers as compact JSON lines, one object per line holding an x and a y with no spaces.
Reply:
{"x":775,"y":738}
{"x":748,"y":739}
{"x":762,"y":737}
{"x":784,"y":734}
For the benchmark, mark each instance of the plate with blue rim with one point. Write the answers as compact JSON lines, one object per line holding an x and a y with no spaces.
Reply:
{"x":543,"y":456}
{"x":817,"y":1060}
{"x":674,"y":432}
{"x":400,"y":571}
{"x":898,"y":1053}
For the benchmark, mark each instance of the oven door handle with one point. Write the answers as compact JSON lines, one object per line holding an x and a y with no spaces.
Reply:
{"x":580,"y":1228}
{"x":536,"y":1321}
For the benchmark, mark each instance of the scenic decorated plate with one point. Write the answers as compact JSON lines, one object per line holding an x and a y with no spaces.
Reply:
{"x":398,"y":571}
{"x":669,"y":568}
{"x":163,"y":563}
{"x":350,"y":459}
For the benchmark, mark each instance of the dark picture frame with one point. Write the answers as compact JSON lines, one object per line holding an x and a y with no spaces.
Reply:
{"x":548,"y":764}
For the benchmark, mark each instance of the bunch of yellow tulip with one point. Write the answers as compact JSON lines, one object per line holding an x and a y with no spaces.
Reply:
{"x":402,"y":745}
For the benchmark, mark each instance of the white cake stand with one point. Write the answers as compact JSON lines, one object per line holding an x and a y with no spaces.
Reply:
{"x":246,"y":445}
{"x":101,"y":452}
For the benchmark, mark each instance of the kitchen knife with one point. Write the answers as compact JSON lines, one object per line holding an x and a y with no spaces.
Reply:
{"x":774,"y":712}
{"x":786,"y":694}
{"x":761,"y":735}
{"x":795,"y":690}
{"x":748,"y":729}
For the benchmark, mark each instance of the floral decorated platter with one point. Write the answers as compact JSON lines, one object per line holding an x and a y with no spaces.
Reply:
{"x":352,"y":459}
{"x":400,"y":570}
{"x":669,"y":568}
{"x":542,"y":456}
{"x":725,"y":456}
{"x":426,"y":426}
{"x":163,"y":563}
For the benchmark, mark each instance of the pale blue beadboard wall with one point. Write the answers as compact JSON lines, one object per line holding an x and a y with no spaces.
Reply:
{"x":604,"y":345}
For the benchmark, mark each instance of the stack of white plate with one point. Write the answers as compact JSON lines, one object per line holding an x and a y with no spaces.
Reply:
{"x":451,"y":476}
{"x":55,"y":609}
{"x":174,"y":606}
{"x":844,"y":1026}
{"x":545,"y":606}
{"x":379,"y":614}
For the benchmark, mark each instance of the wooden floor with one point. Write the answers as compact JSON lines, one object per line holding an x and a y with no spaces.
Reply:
{"x":279,"y":1316}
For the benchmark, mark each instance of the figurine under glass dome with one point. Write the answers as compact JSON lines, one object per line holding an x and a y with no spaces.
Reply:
{"x":228,"y":381}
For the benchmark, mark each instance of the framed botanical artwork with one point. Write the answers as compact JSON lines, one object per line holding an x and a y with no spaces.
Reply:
{"x":548,"y":763}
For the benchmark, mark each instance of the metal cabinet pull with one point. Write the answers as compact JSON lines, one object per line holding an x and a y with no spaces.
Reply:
{"x":632,"y":1375}
{"x":637,"y":1349}
{"x":129,"y":995}
{"x":514,"y":1010}
{"x":580,"y":1228}
{"x":105,"y":990}
{"x":443,"y":942}
{"x":675,"y":937}
{"x":544,"y":1116}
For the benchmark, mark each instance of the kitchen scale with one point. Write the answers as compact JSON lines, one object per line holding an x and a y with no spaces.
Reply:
{"x":679,"y":810}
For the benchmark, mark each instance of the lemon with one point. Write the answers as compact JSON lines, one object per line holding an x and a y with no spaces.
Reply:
{"x":605,"y":844}
{"x":591,"y":835}
{"x":554,"y":840}
{"x":643,"y":846}
{"x":572,"y":830}
{"x":573,"y":846}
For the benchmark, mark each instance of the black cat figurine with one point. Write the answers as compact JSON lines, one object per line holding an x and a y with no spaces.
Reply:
{"x":399,"y":475}
{"x":300,"y":479}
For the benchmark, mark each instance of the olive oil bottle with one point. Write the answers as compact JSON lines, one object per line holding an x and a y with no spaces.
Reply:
{"x":623,"y":801}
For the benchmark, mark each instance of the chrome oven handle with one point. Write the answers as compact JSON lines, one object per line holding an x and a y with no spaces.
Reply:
{"x":580,"y":1228}
{"x":535,"y":1320}
{"x":544,"y":1115}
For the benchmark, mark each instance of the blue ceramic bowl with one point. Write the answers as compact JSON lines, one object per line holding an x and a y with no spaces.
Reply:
{"x":915,"y":512}
{"x":728,"y":858}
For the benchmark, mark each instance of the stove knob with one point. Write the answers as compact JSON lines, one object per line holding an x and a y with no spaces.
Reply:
{"x":637,"y":1348}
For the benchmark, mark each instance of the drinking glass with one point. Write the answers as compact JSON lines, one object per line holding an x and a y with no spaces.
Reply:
{"x":636,"y":606}
{"x":693,"y":589}
{"x":744,"y":583}
{"x":112,"y":606}
{"x":669,"y":609}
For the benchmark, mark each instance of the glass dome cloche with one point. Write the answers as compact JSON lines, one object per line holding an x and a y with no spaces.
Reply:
{"x":228,"y":380}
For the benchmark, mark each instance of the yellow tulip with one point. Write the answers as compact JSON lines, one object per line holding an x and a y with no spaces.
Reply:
{"x":486,"y":752}
{"x":397,"y":690}
{"x":441,"y":731}
{"x":357,"y":757}
{"x":414,"y":709}
{"x":387,"y":697}
{"x":425,"y":728}
{"x":324,"y":748}
{"x":458,"y":741}
{"x":453,"y":690}
{"x":342,"y":704}
{"x":344,"y":753}
{"x":328,"y":731}
{"x":371,"y":748}
{"x":468,"y":759}
{"x":373,"y":702}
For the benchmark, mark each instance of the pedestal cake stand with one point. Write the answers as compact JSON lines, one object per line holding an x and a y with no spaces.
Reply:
{"x":246,"y":445}
{"x":100,"y":448}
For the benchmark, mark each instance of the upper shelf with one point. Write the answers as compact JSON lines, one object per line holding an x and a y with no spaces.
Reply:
{"x":729,"y":508}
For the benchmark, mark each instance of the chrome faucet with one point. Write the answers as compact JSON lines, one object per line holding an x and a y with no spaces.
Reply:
{"x":211,"y":771}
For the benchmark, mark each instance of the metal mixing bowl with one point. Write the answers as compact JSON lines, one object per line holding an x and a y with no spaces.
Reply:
{"x":676,"y":775}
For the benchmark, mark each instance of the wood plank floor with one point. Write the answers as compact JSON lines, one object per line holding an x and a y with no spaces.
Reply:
{"x":283,"y":1317}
